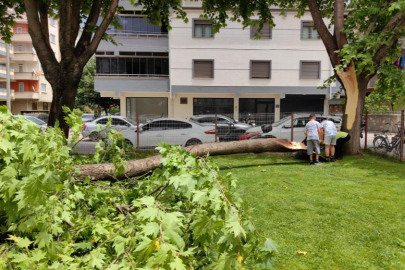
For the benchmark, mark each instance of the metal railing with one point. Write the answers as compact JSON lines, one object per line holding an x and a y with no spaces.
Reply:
{"x":133,"y":75}
{"x":137,"y":34}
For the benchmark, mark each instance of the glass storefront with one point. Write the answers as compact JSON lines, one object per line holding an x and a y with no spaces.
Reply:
{"x":147,"y":108}
{"x":222,"y":106}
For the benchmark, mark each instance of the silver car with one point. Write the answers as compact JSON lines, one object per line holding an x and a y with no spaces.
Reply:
{"x":118,"y":123}
{"x":282,"y":128}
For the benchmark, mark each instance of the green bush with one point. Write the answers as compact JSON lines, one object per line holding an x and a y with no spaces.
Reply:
{"x":184,"y":215}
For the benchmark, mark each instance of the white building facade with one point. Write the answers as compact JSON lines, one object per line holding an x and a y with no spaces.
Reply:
{"x":190,"y":70}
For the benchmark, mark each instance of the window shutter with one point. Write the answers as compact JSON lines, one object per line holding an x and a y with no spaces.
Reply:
{"x":266,"y":31}
{"x":261,"y":69}
{"x":310,"y":70}
{"x":203,"y":69}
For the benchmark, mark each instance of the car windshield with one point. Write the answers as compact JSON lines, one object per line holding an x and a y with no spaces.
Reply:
{"x":130,"y":121}
{"x":35,"y":120}
{"x":196,"y":122}
{"x":87,"y":116}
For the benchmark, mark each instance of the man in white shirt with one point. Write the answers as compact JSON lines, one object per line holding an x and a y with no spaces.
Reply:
{"x":329,"y":138}
{"x":313,"y":132}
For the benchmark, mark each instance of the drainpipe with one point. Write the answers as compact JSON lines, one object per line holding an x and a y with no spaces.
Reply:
{"x":8,"y":71}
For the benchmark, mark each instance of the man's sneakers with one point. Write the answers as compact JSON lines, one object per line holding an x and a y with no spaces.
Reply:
{"x":316,"y":162}
{"x":332,"y":159}
{"x":311,"y":163}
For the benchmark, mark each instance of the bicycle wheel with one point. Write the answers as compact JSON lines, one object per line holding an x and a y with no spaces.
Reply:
{"x":380,"y":143}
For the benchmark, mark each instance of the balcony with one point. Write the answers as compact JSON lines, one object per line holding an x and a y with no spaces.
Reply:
{"x":3,"y":72}
{"x":3,"y":93}
{"x":192,"y":3}
{"x":26,"y":95}
{"x":22,"y":36}
{"x":28,"y":56}
{"x":25,"y":76}
{"x":3,"y":50}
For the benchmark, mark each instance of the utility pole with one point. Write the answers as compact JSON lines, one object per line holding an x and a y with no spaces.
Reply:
{"x":8,"y":72}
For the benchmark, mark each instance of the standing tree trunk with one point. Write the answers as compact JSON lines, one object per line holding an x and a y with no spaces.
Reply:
{"x":64,"y":95}
{"x":355,"y":87}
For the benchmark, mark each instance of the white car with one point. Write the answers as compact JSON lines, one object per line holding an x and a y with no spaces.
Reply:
{"x":118,"y":123}
{"x":282,"y":128}
{"x":173,"y":131}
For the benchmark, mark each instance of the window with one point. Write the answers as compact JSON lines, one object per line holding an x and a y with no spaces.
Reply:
{"x":202,"y":29}
{"x":20,"y":68}
{"x":151,"y":66}
{"x":21,"y":87}
{"x":203,"y":68}
{"x":308,"y":31}
{"x":52,"y":38}
{"x":136,"y":26}
{"x":34,"y":106}
{"x":52,"y":21}
{"x":224,"y":106}
{"x":45,"y":106}
{"x":118,"y":122}
{"x":260,"y":69}
{"x":170,"y":125}
{"x":19,"y":29}
{"x":266,"y":32}
{"x":155,"y":126}
{"x":310,"y":70}
{"x":147,"y":108}
{"x":43,"y":88}
{"x":19,"y":48}
{"x":102,"y":121}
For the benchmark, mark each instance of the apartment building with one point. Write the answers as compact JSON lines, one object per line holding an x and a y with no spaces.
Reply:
{"x":3,"y":73}
{"x":31,"y":91}
{"x":190,"y":70}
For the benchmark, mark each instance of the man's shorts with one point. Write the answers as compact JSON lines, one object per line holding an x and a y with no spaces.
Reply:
{"x":330,"y":140}
{"x":313,"y":145}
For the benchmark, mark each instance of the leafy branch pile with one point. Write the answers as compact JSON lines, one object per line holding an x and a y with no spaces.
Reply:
{"x":184,"y":215}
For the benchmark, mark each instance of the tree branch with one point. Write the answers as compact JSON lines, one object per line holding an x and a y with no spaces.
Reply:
{"x":65,"y":29}
{"x":91,"y":49}
{"x":92,"y":19}
{"x":40,"y":41}
{"x":374,"y":20}
{"x":43,"y":9}
{"x":339,"y":11}
{"x":384,"y":49}
{"x":323,"y":31}
{"x":76,"y":6}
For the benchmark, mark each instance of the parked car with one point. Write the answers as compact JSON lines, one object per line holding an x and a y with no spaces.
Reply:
{"x":41,"y":116}
{"x":87,"y":117}
{"x":119,"y":123}
{"x":37,"y":121}
{"x":282,"y":128}
{"x":222,"y":121}
{"x":173,"y":131}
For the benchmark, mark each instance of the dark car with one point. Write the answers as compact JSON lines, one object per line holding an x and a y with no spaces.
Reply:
{"x":41,"y":116}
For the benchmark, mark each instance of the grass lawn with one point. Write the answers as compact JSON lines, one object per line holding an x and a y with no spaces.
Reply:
{"x":346,"y":215}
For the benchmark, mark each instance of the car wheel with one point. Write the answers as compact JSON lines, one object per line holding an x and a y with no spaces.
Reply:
{"x":95,"y":136}
{"x":193,"y":142}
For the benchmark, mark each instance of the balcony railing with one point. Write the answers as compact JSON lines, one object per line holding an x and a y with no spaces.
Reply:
{"x":133,"y":75}
{"x":120,"y":33}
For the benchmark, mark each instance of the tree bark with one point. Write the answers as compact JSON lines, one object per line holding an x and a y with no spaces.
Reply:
{"x":64,"y":94}
{"x":355,"y":87}
{"x":144,"y":166}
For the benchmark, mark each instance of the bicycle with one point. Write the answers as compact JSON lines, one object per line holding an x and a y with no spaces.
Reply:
{"x":382,"y":142}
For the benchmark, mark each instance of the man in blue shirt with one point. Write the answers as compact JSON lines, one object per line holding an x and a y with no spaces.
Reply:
{"x":313,"y":132}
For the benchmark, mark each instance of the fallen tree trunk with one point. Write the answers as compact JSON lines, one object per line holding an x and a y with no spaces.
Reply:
{"x":143,"y":166}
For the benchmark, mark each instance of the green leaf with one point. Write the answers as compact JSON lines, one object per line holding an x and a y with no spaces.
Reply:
{"x":38,"y":255}
{"x":177,"y":264}
{"x":21,"y":242}
{"x":151,"y":229}
{"x":43,"y":239}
